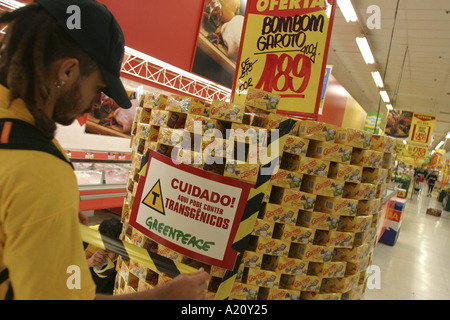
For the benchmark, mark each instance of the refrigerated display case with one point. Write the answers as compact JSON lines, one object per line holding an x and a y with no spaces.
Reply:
{"x":102,"y":178}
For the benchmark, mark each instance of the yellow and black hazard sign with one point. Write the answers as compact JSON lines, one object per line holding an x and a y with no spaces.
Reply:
{"x":154,"y":199}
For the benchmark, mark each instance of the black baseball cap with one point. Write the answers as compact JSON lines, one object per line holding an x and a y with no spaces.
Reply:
{"x":93,"y":27}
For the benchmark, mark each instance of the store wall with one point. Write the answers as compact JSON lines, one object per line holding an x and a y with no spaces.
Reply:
{"x":334,"y":103}
{"x":340,"y":108}
{"x":354,"y":115}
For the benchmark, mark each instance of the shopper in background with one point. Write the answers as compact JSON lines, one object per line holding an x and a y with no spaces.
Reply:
{"x":431,"y":180}
{"x":56,"y":58}
{"x":102,"y":264}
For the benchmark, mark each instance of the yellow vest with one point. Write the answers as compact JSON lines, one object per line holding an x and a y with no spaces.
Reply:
{"x":40,"y":240}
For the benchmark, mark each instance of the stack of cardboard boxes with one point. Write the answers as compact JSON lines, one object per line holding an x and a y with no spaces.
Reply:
{"x":317,"y":225}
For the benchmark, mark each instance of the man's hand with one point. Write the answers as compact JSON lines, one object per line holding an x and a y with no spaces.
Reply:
{"x":184,"y":287}
{"x":97,"y":259}
{"x":83,"y":218}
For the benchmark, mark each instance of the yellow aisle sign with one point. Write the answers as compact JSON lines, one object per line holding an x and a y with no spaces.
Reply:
{"x":422,"y":126}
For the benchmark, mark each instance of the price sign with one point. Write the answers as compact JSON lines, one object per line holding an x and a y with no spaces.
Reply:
{"x":421,"y":128}
{"x":418,"y":152}
{"x":284,"y":50}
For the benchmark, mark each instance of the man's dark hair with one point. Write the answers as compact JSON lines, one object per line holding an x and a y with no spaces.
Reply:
{"x":33,"y":41}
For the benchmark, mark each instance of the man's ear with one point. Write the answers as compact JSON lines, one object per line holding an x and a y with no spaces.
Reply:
{"x":68,"y":70}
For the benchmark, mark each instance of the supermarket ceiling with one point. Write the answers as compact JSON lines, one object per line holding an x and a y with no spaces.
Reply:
{"x":417,"y":76}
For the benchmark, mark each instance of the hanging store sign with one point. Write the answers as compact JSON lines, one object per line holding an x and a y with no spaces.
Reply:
{"x":189,"y":210}
{"x":417,"y":127}
{"x":284,"y":50}
{"x":422,"y":126}
{"x":373,"y":122}
{"x":414,"y":155}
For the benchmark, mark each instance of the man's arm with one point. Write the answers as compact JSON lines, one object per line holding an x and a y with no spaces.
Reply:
{"x":183,"y":287}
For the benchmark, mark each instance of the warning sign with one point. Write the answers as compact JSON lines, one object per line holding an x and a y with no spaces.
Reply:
{"x":154,"y":198}
{"x":189,"y":210}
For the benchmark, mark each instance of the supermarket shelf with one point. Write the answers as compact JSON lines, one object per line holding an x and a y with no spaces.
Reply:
{"x":97,"y":155}
{"x":101,"y":178}
{"x":94,"y":197}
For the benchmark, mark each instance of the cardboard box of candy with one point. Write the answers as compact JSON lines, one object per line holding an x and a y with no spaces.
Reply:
{"x":244,"y":291}
{"x":329,"y":150}
{"x":301,"y":282}
{"x":202,"y":125}
{"x":263,"y":278}
{"x":353,"y":137}
{"x":313,"y":166}
{"x":336,"y":206}
{"x":274,"y":120}
{"x":340,"y":285}
{"x":311,"y":252}
{"x":296,"y":234}
{"x":280,"y":214}
{"x":359,"y":191}
{"x":263,"y":228}
{"x":298,"y":199}
{"x":318,"y":220}
{"x":274,"y":247}
{"x":330,"y":269}
{"x":347,"y":172}
{"x":244,"y":172}
{"x":278,"y":294}
{"x":382,"y":143}
{"x":286,"y":179}
{"x":353,"y":255}
{"x":316,"y":130}
{"x":262,"y":100}
{"x":320,"y":296}
{"x":374,"y":175}
{"x":226,"y":111}
{"x":367,"y":158}
{"x":354,"y":224}
{"x":322,"y":186}
{"x":296,"y":145}
{"x":287,"y":265}
{"x":252,"y":259}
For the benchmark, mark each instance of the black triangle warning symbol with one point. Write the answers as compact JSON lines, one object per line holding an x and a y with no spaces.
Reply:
{"x":154,"y":199}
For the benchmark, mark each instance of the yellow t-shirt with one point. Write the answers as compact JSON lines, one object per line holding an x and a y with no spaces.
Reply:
{"x":40,"y":240}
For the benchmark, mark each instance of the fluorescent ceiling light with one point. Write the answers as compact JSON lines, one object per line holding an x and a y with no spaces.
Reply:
{"x":365,"y":50}
{"x":389,"y":107}
{"x":404,"y":141}
{"x":377,"y":78}
{"x":347,"y":10}
{"x":448,"y":135}
{"x":439,"y":145}
{"x":384,"y":96}
{"x":11,"y":4}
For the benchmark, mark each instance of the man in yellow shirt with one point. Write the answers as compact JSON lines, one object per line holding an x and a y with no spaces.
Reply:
{"x":55,"y":59}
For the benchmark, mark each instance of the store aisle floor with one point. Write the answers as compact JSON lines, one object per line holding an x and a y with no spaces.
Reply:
{"x":417,"y":267}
